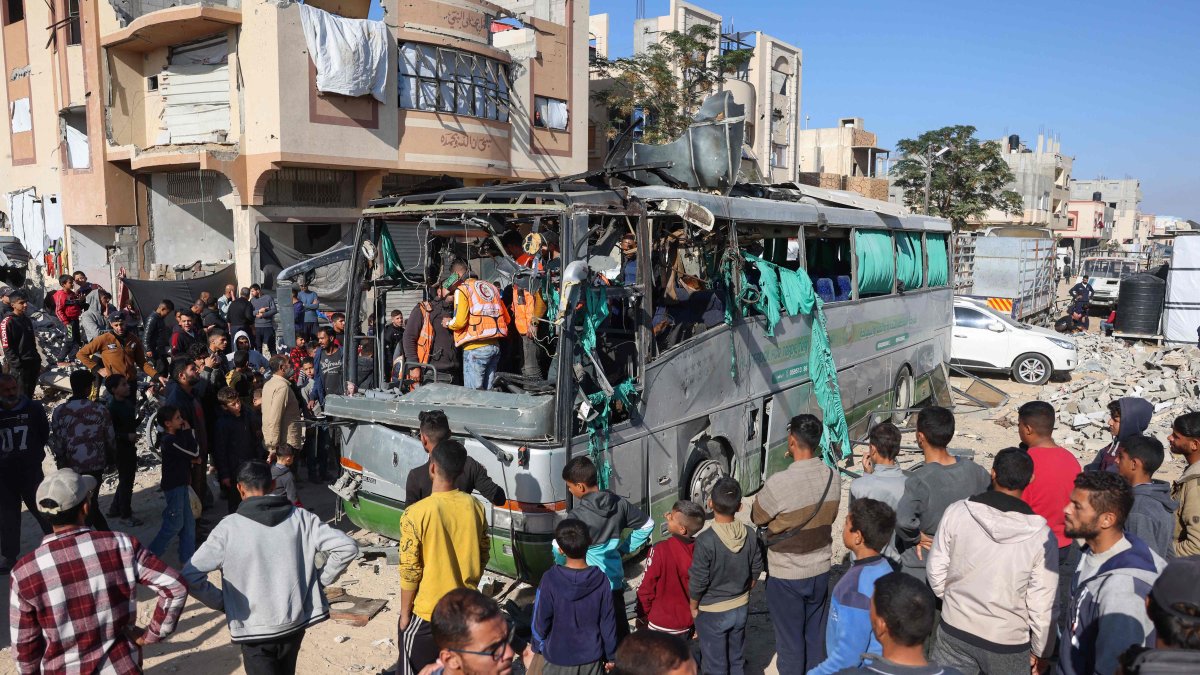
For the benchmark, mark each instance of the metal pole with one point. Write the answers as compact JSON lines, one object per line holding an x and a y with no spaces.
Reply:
{"x":928,"y":175}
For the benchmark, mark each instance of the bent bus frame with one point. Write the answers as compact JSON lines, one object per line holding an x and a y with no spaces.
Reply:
{"x":711,"y":399}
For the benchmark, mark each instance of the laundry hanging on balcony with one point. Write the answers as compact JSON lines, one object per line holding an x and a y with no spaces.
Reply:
{"x":351,"y":55}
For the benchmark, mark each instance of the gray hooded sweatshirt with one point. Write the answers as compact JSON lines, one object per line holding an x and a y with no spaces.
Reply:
{"x":1152,"y":518}
{"x":266,"y":552}
{"x":94,"y":319}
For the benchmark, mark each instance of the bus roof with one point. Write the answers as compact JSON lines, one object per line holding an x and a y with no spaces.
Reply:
{"x":779,"y":204}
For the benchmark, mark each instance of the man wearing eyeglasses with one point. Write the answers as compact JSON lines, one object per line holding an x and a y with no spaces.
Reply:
{"x":472,"y":635}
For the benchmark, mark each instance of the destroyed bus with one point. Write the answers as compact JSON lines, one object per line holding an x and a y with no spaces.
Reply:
{"x":672,"y":364}
{"x":668,"y":333}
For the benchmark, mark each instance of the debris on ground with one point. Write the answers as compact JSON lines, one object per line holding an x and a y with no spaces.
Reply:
{"x":1110,"y":369}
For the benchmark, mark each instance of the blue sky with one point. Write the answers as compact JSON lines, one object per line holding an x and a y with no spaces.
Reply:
{"x":1118,"y":82}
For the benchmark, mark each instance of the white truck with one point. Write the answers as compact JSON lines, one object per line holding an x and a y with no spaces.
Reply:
{"x":1012,"y":270}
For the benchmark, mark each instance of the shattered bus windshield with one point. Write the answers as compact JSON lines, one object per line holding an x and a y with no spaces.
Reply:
{"x":668,"y":334}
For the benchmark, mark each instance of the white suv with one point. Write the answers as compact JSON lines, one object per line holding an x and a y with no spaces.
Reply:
{"x":985,"y":339}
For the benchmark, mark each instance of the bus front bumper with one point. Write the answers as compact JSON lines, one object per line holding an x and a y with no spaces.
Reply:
{"x":515,"y":554}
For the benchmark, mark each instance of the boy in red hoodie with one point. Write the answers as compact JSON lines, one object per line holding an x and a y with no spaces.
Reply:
{"x":68,"y":307}
{"x":663,"y":604}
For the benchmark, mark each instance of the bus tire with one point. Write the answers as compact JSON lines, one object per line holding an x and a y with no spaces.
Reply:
{"x":707,"y":463}
{"x":903,"y":392}
{"x":1031,"y":369}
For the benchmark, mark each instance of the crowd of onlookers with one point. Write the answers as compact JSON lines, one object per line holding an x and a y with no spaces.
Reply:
{"x":1030,"y":564}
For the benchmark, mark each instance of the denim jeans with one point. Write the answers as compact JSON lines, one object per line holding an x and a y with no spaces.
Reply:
{"x":722,"y":639}
{"x":176,"y":520}
{"x":479,"y":366}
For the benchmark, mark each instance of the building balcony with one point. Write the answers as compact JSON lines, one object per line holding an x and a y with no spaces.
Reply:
{"x":163,"y":24}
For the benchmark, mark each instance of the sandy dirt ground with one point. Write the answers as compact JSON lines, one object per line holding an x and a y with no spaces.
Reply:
{"x":201,"y":646}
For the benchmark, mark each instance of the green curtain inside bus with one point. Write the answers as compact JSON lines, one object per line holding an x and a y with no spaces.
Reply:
{"x":392,"y":267}
{"x":876,"y":262}
{"x":939,"y":259}
{"x":597,"y":427}
{"x":908,"y":259}
{"x":595,"y":311}
{"x":797,"y":296}
{"x":768,"y":304}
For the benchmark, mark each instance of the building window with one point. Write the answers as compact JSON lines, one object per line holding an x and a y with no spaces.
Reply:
{"x":778,"y":155}
{"x":311,"y":187}
{"x":14,"y":11}
{"x":549,"y":113}
{"x":74,"y":34}
{"x":438,"y":79}
{"x":192,"y":187}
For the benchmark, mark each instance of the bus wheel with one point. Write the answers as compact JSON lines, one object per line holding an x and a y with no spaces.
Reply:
{"x":704,"y":468}
{"x":1031,"y":369}
{"x":902,"y":396}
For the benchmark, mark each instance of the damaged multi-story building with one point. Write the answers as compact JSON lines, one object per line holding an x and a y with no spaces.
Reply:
{"x":146,"y":134}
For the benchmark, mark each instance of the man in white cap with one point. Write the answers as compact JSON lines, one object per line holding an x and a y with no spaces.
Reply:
{"x":73,"y":600}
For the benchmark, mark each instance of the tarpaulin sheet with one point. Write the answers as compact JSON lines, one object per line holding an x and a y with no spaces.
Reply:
{"x":183,"y":292}
{"x":328,"y":282}
{"x":351,"y":55}
{"x":1182,"y":308}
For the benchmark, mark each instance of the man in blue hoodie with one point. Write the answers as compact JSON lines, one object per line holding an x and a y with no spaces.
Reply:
{"x":606,"y":516}
{"x":1107,"y":611}
{"x":1127,"y":417}
{"x":24,"y":430}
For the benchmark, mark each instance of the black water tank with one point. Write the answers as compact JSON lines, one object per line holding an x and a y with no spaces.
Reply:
{"x":1097,"y":197}
{"x":1140,"y":304}
{"x":1014,"y":143}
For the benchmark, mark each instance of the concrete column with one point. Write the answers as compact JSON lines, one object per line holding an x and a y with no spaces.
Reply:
{"x":245,"y":245}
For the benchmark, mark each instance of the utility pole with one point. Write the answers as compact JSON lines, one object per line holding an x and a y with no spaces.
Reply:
{"x":928,"y":175}
{"x":929,"y":157}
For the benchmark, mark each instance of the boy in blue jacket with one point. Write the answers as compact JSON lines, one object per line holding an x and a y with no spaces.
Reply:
{"x":848,"y":635}
{"x":574,"y":626}
{"x":606,"y":516}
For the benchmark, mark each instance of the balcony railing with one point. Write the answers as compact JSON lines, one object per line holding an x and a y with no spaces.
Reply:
{"x":128,"y":10}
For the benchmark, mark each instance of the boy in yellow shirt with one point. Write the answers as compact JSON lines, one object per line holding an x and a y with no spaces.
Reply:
{"x":443,"y":546}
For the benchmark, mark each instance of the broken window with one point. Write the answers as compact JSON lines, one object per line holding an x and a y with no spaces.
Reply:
{"x":74,"y":34}
{"x":439,"y":79}
{"x":779,"y":155}
{"x":75,"y":135}
{"x":20,"y":116}
{"x":827,"y":260}
{"x":549,"y":113}
{"x":14,"y":11}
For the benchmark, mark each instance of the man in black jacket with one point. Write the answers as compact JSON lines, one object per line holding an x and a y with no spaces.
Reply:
{"x":157,"y":339}
{"x":240,"y":314}
{"x":435,"y":428}
{"x":24,"y":421}
{"x":20,"y":345}
{"x":393,"y":333}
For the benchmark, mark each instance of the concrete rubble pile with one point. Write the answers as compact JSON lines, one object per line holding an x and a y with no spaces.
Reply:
{"x":1111,"y":369}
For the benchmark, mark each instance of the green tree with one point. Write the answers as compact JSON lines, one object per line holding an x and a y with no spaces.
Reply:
{"x":667,"y":82}
{"x":968,"y":179}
